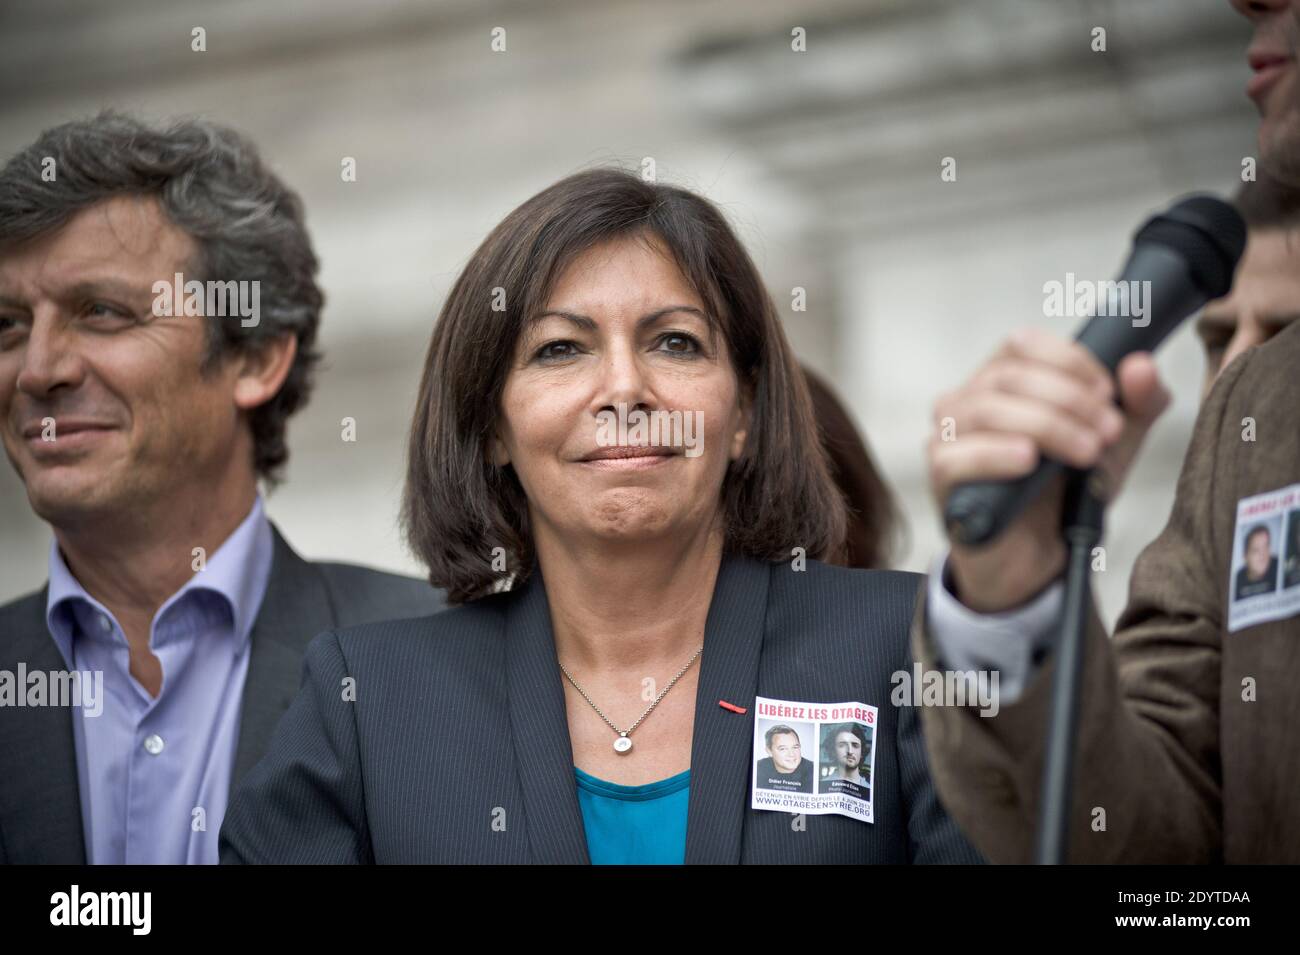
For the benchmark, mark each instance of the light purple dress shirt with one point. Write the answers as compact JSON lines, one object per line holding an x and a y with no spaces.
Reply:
{"x":154,"y":774}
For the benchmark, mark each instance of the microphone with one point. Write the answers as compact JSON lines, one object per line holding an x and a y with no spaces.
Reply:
{"x":1188,"y":255}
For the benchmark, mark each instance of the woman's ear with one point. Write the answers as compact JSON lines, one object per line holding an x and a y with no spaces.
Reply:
{"x":498,"y":454}
{"x":746,"y":418}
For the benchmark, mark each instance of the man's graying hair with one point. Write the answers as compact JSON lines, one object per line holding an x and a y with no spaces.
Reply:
{"x":211,"y":183}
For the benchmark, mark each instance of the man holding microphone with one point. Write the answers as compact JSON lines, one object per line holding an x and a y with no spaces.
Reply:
{"x":1186,"y":749}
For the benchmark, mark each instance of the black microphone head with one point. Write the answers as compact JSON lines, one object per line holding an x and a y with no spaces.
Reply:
{"x":1208,"y":232}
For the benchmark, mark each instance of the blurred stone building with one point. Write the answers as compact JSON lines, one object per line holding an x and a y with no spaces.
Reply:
{"x":827,"y":160}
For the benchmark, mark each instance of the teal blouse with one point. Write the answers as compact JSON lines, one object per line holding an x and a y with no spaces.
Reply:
{"x":634,"y":825}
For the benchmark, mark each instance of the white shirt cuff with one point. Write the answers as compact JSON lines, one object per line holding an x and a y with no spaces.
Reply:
{"x":1016,"y":643}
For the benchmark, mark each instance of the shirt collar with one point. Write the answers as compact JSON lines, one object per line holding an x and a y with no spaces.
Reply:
{"x":239,"y":571}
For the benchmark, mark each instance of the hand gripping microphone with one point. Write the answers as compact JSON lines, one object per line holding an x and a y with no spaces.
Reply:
{"x":1188,"y":255}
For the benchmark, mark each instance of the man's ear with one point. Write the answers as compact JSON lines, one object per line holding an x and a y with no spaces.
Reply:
{"x":262,"y":369}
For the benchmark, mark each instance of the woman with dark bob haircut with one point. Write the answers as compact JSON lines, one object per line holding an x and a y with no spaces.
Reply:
{"x":615,"y":472}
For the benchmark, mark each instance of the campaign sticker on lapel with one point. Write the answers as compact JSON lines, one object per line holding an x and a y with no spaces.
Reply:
{"x":1264,"y":575}
{"x":815,"y":758}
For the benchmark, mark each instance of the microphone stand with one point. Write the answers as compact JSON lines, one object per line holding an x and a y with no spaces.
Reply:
{"x":1081,"y":525}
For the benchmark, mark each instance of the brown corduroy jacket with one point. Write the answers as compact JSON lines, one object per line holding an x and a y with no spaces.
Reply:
{"x":1189,"y":736}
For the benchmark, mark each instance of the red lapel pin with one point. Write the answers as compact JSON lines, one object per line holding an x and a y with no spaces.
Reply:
{"x":732,"y":706}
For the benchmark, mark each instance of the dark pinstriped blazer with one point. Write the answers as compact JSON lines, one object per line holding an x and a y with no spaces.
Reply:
{"x":459,"y":721}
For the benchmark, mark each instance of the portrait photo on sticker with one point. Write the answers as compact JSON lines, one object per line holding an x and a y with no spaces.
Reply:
{"x":1254,"y":560}
{"x":779,"y":749}
{"x":845,"y":763}
{"x":1291,"y":551}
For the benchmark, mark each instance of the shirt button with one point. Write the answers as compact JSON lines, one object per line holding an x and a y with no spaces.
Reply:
{"x":104,"y":623}
{"x":153,"y":744}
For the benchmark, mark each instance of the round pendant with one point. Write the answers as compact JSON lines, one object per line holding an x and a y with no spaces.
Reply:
{"x":622,"y":744}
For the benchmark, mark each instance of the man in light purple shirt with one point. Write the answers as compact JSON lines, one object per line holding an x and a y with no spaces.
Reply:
{"x":158,"y":314}
{"x":145,"y":764}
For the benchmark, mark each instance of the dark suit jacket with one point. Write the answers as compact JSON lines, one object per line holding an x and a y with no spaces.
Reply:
{"x":457,"y":749}
{"x":1188,"y":766}
{"x":40,"y":804}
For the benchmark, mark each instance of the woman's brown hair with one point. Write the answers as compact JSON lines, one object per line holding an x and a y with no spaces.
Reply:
{"x":458,"y":507}
{"x":873,"y":520}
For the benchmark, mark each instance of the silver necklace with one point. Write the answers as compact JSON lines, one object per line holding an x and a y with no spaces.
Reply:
{"x":624,"y":742}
